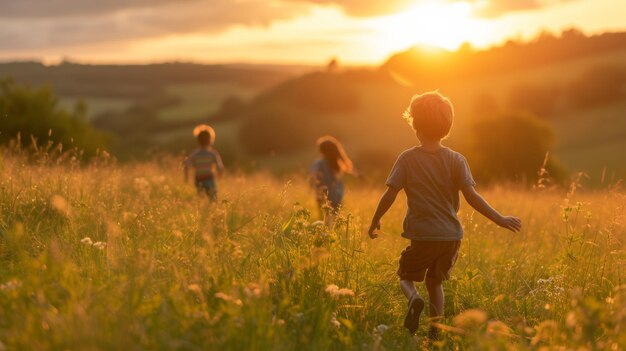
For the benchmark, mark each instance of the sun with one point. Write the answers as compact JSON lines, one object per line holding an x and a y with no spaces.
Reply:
{"x":434,"y":23}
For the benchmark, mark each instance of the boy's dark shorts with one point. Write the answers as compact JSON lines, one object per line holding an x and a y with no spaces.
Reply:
{"x":208,"y":187}
{"x":428,"y":258}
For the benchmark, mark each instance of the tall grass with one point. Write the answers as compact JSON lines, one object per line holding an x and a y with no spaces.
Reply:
{"x":124,"y":257}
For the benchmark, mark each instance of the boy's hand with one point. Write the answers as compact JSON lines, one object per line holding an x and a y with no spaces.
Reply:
{"x":511,"y":223}
{"x":373,"y":227}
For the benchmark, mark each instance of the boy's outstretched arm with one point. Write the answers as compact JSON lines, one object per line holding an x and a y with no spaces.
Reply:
{"x":219,"y":164}
{"x":383,"y":206}
{"x":186,"y":173}
{"x":475,"y":200}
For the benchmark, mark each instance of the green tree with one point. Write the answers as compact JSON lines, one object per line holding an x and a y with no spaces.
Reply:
{"x":35,"y":113}
{"x":512,"y":146}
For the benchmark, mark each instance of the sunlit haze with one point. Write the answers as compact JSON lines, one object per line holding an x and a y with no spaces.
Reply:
{"x":302,"y":31}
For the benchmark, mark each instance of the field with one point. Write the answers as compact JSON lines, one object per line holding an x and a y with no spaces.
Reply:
{"x":594,"y":152}
{"x":121,"y":257}
{"x":198,"y":101}
{"x":97,"y":105}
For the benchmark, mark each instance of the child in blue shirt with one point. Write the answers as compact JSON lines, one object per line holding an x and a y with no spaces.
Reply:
{"x":205,"y":161}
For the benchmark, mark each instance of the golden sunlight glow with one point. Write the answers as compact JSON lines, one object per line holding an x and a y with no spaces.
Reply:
{"x":435,"y":23}
{"x":327,"y":31}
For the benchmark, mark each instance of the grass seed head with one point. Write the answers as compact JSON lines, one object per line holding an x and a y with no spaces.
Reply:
{"x":60,"y":204}
{"x":470,"y":319}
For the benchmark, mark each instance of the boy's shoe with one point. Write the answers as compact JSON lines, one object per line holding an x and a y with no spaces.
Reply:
{"x":433,"y":334}
{"x":412,"y":318}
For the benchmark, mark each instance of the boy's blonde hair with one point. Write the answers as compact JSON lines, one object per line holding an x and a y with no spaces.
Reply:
{"x":431,"y":114}
{"x":204,"y":134}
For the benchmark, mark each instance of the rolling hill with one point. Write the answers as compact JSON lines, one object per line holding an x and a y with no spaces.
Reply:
{"x":576,"y":83}
{"x":270,"y":116}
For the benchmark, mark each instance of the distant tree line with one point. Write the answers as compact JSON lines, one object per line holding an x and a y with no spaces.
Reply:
{"x":135,"y":81}
{"x":513,"y":56}
{"x":33,"y":116}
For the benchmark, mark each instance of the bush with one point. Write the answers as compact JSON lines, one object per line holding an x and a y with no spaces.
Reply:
{"x":34,"y":114}
{"x":512,"y":146}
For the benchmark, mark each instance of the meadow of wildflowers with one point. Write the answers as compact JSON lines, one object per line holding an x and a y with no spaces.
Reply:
{"x":125,"y":257}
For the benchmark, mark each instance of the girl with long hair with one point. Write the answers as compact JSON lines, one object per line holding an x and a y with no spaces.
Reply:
{"x":327,"y":173}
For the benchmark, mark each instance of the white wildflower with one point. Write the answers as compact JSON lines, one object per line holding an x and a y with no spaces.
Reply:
{"x":11,"y":285}
{"x":336,"y":292}
{"x":228,"y":298}
{"x":334,"y":322}
{"x":100,"y":245}
{"x":551,"y":286}
{"x":194,"y":288}
{"x":255,"y":290}
{"x":277,"y":321}
{"x":378,"y":335}
{"x":86,"y":240}
{"x":609,"y":300}
{"x":381,"y":329}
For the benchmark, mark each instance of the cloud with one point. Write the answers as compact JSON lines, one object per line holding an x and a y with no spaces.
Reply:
{"x":37,"y":24}
{"x":484,"y":8}
{"x":366,"y":8}
{"x":26,"y":24}
{"x":69,"y":8}
{"x":497,"y":8}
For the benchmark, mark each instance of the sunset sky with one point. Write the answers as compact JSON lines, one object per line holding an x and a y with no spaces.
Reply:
{"x":279,"y":31}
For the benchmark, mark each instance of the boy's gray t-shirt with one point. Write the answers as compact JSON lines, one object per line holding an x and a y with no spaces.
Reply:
{"x":432,"y":181}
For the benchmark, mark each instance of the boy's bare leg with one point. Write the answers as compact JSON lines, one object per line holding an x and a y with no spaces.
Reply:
{"x":415,"y":308}
{"x":408,"y":288}
{"x":436,"y":297}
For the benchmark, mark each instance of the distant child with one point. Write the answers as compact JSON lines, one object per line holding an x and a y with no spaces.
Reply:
{"x":432,"y":176}
{"x":327,"y":174}
{"x":205,"y":161}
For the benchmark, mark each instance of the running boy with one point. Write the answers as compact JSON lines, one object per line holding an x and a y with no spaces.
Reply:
{"x":432,"y":176}
{"x":205,"y":161}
